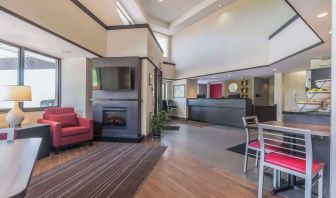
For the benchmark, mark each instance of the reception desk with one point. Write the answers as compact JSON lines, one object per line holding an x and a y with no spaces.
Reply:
{"x":228,"y":112}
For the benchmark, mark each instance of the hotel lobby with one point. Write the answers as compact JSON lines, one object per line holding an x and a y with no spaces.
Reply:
{"x":167,"y":98}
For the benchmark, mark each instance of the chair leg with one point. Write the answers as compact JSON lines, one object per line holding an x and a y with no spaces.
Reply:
{"x":320,"y":184}
{"x":275,"y":178}
{"x":257,"y":158}
{"x":261,"y":180}
{"x":308,"y":187}
{"x":278,"y":179}
{"x":57,"y":151}
{"x":245,"y":159}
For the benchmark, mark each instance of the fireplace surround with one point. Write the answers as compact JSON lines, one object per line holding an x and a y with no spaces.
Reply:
{"x":116,"y":113}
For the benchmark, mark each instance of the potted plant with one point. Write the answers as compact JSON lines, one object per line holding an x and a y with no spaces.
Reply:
{"x":159,"y":122}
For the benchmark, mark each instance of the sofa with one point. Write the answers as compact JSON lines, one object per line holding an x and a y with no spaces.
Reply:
{"x":66,"y":128}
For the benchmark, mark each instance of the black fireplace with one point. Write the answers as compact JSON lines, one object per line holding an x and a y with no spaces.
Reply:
{"x":115,"y":118}
{"x":116,"y":112}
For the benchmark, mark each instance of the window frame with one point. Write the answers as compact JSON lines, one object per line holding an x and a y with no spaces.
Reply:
{"x":20,"y":80}
{"x":125,"y":14}
{"x":158,"y":34}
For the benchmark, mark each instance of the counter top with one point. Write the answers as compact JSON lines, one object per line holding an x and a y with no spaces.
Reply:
{"x":318,"y":130}
{"x":312,"y":113}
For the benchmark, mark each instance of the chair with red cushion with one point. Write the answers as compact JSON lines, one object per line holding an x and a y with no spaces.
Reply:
{"x":66,"y":128}
{"x":296,"y":158}
{"x":252,"y":142}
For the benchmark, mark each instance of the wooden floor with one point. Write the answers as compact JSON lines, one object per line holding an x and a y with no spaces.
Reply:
{"x":176,"y":175}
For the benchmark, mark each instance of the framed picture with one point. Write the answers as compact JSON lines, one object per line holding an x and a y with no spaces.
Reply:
{"x":244,"y":82}
{"x":244,"y":90}
{"x":179,"y":91}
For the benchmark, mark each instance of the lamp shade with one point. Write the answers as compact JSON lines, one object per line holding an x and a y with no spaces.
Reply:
{"x":15,"y":93}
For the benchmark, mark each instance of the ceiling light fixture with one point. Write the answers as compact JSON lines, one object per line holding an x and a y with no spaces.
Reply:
{"x":275,"y":69}
{"x":219,"y":5}
{"x":160,"y":0}
{"x":330,"y":32}
{"x":322,"y":15}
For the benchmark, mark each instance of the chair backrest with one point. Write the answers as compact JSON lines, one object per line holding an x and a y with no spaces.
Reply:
{"x":292,"y":142}
{"x":57,"y":111}
{"x":7,"y":134}
{"x":250,"y":134}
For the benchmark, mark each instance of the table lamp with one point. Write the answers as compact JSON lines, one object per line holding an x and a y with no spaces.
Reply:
{"x":16,"y":94}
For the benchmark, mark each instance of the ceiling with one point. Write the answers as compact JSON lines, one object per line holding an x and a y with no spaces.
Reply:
{"x":171,"y":16}
{"x":105,"y":10}
{"x":167,"y":10}
{"x":309,"y":10}
{"x":14,"y":30}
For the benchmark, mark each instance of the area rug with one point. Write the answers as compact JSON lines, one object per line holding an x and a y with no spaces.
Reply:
{"x":116,"y":170}
{"x":240,"y":149}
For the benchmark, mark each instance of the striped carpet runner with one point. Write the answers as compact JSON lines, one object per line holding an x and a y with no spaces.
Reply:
{"x":115,"y":170}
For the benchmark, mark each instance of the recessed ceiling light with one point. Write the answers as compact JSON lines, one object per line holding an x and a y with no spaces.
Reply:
{"x":160,"y":0}
{"x":275,"y":69}
{"x":219,"y":5}
{"x":322,"y":15}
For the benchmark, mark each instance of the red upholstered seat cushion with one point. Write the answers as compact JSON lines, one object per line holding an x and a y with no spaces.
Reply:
{"x":70,"y":131}
{"x":256,"y":144}
{"x":292,"y":163}
{"x":67,"y":120}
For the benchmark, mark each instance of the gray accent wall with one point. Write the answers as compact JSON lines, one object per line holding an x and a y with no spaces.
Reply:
{"x":202,"y":89}
{"x":261,"y":92}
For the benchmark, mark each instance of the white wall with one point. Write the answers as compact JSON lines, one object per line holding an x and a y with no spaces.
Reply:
{"x":169,"y":71}
{"x":127,"y":42}
{"x":293,"y":38}
{"x":76,"y":85}
{"x":147,"y":107}
{"x":271,"y":91}
{"x":181,"y":110}
{"x":294,"y":82}
{"x":234,"y":37}
{"x":279,"y":94}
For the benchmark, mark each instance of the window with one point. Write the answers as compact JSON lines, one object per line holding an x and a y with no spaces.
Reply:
{"x":163,"y":42}
{"x":124,"y":16}
{"x":40,"y":73}
{"x":33,"y":69}
{"x":9,"y":65}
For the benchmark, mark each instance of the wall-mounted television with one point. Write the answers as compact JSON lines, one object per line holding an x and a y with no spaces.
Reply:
{"x":113,"y":78}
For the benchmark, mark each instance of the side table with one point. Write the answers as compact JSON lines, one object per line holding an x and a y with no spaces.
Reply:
{"x":33,"y":131}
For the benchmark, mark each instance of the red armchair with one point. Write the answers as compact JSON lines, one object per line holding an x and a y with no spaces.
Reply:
{"x":66,"y":128}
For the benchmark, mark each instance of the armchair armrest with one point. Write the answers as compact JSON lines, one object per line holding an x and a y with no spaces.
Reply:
{"x":86,"y":122}
{"x":55,"y":131}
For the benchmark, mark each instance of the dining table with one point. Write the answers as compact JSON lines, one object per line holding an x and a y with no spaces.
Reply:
{"x":17,"y":160}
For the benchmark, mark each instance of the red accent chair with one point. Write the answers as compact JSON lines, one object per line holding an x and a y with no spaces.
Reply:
{"x":66,"y":128}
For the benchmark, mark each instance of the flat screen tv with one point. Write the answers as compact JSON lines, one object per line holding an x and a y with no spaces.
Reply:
{"x":112,"y":78}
